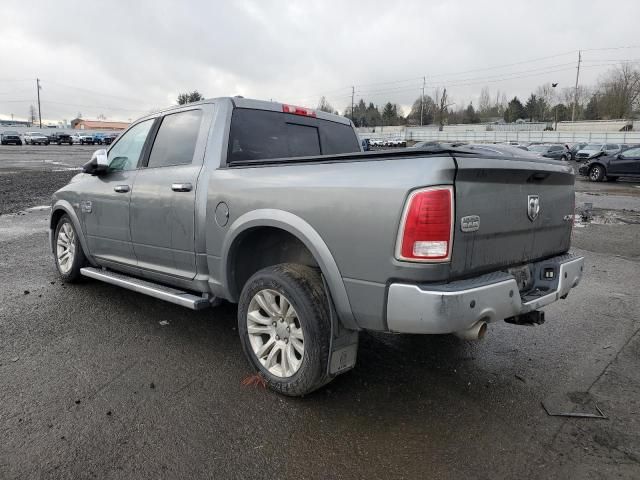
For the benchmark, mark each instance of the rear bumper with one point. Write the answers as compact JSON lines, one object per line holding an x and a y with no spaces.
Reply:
{"x":457,"y":306}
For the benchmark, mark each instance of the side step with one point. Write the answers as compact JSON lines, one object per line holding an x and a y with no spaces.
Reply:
{"x":155,"y":290}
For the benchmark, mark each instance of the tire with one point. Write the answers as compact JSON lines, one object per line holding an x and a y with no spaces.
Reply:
{"x":66,"y":235}
{"x":564,"y":158}
{"x":596,"y":173}
{"x":611,"y":179}
{"x":59,"y":143}
{"x":308,"y":326}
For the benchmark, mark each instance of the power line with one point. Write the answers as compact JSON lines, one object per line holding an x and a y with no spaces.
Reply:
{"x":494,"y":67}
{"x":128,"y":99}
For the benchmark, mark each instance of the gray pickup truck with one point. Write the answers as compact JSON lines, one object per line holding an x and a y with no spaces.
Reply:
{"x":275,"y":208}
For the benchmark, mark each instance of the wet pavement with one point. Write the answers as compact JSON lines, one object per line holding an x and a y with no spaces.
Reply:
{"x":93,"y":386}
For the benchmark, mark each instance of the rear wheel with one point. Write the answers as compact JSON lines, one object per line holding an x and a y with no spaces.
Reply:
{"x":284,"y":327}
{"x":596,"y":173}
{"x":67,"y":251}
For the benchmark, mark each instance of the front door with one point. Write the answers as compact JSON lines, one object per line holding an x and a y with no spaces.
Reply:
{"x":163,"y":197}
{"x":105,"y":207}
{"x":627,"y":163}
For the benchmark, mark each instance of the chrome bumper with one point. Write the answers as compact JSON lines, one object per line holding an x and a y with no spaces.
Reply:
{"x":456,"y":306}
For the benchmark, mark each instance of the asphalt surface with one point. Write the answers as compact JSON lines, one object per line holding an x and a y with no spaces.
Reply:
{"x":92,"y":385}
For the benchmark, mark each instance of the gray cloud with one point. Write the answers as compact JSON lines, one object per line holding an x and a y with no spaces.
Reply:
{"x":123,"y":59}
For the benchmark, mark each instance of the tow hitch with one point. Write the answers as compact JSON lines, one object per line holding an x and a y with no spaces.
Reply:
{"x":535,"y":317}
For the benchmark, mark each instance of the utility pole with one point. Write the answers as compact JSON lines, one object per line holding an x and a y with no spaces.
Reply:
{"x":575,"y":95}
{"x":424,"y":80}
{"x":353,"y":93}
{"x":39,"y":112}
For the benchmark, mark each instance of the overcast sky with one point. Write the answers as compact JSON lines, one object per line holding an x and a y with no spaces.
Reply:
{"x":125,"y":58}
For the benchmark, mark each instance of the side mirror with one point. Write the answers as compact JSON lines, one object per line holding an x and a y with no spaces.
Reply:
{"x":98,"y":165}
{"x":620,"y":156}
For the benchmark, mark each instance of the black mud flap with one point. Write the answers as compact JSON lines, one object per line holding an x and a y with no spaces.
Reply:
{"x":343,"y":347}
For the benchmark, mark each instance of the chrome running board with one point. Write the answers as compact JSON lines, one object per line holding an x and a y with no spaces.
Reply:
{"x":168,"y":294}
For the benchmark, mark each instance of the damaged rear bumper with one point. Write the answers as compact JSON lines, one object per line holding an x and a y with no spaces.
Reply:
{"x":457,"y":306}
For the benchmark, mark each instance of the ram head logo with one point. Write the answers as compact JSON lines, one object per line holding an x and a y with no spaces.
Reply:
{"x":533,"y":207}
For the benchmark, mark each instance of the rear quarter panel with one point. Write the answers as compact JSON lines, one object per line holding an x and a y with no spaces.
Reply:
{"x":355,"y":207}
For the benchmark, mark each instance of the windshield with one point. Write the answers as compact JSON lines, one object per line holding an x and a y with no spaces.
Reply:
{"x":593,"y":146}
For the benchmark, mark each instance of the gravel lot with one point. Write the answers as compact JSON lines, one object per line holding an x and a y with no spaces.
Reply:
{"x":93,"y":386}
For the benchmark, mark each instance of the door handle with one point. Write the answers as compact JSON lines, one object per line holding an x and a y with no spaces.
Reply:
{"x":121,"y":188}
{"x":181,"y":187}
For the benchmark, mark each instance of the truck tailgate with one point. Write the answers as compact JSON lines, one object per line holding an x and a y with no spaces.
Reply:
{"x":494,"y":195}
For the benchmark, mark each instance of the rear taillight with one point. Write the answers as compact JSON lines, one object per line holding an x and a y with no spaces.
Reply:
{"x":305,"y":112}
{"x":426,"y":230}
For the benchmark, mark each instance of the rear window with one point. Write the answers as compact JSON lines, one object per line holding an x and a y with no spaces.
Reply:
{"x":262,"y":134}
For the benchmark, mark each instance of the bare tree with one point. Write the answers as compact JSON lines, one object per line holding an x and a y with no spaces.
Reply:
{"x":484,"y":104}
{"x":567,"y":97}
{"x":325,"y":106}
{"x":442,"y":107}
{"x":547,"y":97}
{"x":620,"y":92}
{"x":33,"y":114}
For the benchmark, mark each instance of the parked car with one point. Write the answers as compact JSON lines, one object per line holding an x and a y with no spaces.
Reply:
{"x":557,"y":152}
{"x":573,"y":150}
{"x":35,"y":138}
{"x":501,"y":150}
{"x":10,"y":138}
{"x":257,"y":217}
{"x":98,"y":138}
{"x":593,"y":149}
{"x":109,"y":138}
{"x":623,"y":164}
{"x":60,"y":138}
{"x":85,"y":139}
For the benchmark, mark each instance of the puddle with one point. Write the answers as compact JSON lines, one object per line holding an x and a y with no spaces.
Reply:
{"x":607,"y":218}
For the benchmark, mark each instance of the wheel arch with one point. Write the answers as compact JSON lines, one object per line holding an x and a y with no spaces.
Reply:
{"x":598,"y":164}
{"x":293,"y":227}
{"x":60,"y":208}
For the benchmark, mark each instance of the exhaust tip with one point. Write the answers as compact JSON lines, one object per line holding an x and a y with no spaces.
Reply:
{"x":476,"y":332}
{"x":482,"y":331}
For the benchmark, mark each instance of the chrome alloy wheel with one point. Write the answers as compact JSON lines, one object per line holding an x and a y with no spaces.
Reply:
{"x":275,"y":333}
{"x":595,"y":173}
{"x":65,"y":247}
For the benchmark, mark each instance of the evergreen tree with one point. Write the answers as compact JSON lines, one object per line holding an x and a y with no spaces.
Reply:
{"x":514,"y":111}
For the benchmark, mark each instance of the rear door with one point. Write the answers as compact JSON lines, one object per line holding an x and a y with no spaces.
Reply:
{"x":525,"y":210}
{"x":164,"y":192}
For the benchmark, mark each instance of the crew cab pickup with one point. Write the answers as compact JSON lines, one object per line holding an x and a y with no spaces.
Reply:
{"x":275,"y":208}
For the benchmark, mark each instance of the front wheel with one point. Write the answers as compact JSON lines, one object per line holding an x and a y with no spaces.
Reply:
{"x":67,"y":251}
{"x":596,"y":173}
{"x":285,"y":328}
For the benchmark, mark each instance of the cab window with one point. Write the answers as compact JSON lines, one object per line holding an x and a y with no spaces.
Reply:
{"x":125,"y":154}
{"x":176,"y":140}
